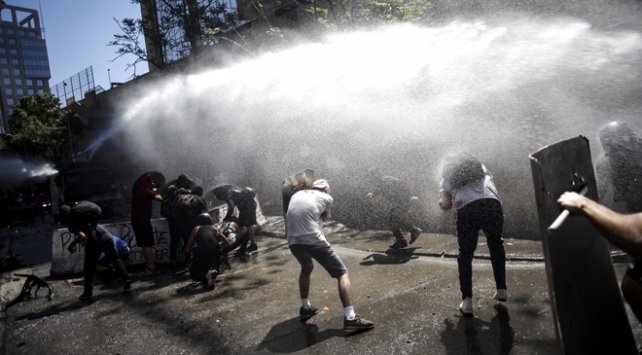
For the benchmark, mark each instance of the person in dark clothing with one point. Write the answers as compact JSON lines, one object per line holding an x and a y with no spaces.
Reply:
{"x":179,"y":226}
{"x":397,"y":196}
{"x":247,"y":206}
{"x":96,"y":240}
{"x":619,"y":175}
{"x":229,"y":194}
{"x":204,"y":245}
{"x":143,"y":193}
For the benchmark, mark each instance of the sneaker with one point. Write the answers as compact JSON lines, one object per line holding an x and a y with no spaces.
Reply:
{"x":198,"y":286}
{"x":253,"y":249}
{"x":414,"y":234}
{"x":501,"y":295}
{"x":150,"y":272}
{"x":357,"y":324}
{"x":127,"y":285}
{"x":466,"y":307}
{"x":307,"y":313}
{"x":86,"y":297}
{"x":211,"y":278}
{"x":400,"y":243}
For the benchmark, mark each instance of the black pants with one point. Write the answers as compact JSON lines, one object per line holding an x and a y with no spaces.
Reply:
{"x":397,"y":219}
{"x":174,"y":238}
{"x":102,"y":244}
{"x":487,"y":215}
{"x":202,"y":262}
{"x":242,"y":238}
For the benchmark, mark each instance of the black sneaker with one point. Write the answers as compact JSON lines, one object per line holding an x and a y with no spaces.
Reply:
{"x":127,"y":285}
{"x":253,"y":249}
{"x":307,"y":313}
{"x":357,"y":324}
{"x":400,"y":243}
{"x":414,"y":234}
{"x":86,"y":297}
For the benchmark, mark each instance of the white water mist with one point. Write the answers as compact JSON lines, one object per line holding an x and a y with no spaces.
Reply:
{"x":396,"y":98}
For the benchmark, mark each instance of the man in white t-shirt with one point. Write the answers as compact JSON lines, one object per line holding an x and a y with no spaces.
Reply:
{"x":306,"y":211}
{"x":467,"y":185}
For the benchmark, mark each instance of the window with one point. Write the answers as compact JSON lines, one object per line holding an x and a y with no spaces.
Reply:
{"x":29,"y":91}
{"x":18,"y":82}
{"x":20,"y":92}
{"x":6,"y":81}
{"x":15,"y":61}
{"x":5,"y":71}
{"x":16,"y":71}
{"x":8,"y":91}
{"x":4,"y":61}
{"x":10,"y":101}
{"x":29,"y":82}
{"x":39,"y":83}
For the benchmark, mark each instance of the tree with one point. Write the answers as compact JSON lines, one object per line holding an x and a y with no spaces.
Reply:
{"x":182,"y":28}
{"x":39,"y":128}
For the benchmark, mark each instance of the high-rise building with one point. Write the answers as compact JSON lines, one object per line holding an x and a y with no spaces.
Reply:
{"x":24,"y":64}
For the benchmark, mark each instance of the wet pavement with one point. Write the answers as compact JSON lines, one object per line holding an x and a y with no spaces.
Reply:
{"x":412,"y":297}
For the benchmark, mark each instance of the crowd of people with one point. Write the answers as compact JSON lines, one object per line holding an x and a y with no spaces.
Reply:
{"x":466,"y":186}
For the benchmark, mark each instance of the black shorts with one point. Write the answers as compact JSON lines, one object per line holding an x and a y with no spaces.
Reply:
{"x":144,"y":234}
{"x":323,"y":254}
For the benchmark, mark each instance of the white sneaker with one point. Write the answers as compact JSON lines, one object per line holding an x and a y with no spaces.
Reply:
{"x":501,"y":295}
{"x":466,"y":306}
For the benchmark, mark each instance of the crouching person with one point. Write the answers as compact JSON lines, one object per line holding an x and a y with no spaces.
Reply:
{"x":204,"y":247}
{"x":307,"y":241}
{"x":82,"y":220}
{"x":105,"y":266}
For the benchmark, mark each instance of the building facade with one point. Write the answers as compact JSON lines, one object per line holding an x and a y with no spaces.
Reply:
{"x":24,"y":63}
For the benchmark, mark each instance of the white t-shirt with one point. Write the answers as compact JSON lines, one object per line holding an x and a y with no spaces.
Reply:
{"x":476,"y":190}
{"x":304,"y":217}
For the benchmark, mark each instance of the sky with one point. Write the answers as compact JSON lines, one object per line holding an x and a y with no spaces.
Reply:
{"x":77,"y":33}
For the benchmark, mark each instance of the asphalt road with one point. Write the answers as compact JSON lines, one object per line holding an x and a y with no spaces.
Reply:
{"x":412,"y":299}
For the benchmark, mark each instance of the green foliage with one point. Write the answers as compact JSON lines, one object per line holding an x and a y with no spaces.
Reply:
{"x":184,"y":26}
{"x":38,"y":128}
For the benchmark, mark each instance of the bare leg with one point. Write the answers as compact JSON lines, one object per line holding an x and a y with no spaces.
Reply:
{"x":345,"y":290}
{"x":304,"y":285}
{"x":148,"y":256}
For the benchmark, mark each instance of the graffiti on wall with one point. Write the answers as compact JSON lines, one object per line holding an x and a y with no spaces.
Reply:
{"x":65,"y":261}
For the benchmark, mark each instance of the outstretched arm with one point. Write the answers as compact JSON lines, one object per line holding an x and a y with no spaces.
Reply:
{"x":623,"y":230}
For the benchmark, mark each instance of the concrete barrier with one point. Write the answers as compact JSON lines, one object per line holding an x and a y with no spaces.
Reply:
{"x":63,"y":262}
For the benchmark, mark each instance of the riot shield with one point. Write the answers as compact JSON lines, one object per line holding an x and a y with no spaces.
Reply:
{"x":588,"y":310}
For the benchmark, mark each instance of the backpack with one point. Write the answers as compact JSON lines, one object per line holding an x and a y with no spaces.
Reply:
{"x":189,"y":205}
{"x":463,"y":169}
{"x":84,"y":213}
{"x":171,"y":201}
